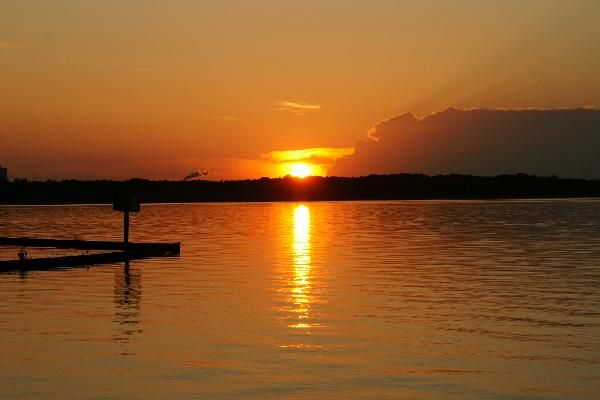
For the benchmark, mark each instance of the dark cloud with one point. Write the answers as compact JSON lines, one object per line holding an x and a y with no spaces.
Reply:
{"x":565,"y":143}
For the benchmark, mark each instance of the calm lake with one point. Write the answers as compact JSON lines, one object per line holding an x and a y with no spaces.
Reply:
{"x":340,"y":300}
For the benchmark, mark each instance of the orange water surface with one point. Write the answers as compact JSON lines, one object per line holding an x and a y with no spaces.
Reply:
{"x":340,"y":300}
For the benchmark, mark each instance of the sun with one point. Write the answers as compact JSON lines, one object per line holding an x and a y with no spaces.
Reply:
{"x":300,"y":170}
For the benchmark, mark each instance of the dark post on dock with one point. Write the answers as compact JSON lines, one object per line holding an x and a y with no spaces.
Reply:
{"x":126,"y":203}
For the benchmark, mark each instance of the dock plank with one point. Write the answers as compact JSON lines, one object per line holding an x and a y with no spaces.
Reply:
{"x":87,"y":244}
{"x":134,"y":251}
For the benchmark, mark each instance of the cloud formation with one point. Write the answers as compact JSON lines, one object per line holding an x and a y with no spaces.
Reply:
{"x":319,"y":158}
{"x":316,"y":154}
{"x":558,"y":142}
{"x":297,"y":108}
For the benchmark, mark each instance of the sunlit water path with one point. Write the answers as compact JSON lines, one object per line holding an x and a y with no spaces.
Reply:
{"x":365,"y":300}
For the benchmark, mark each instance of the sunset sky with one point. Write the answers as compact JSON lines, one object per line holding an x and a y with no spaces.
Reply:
{"x":244,"y":89}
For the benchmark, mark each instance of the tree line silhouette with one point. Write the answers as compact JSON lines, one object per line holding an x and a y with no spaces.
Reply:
{"x":372,"y":187}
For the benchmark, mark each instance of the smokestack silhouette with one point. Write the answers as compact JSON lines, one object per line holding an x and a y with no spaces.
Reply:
{"x":194,"y":175}
{"x":3,"y":174}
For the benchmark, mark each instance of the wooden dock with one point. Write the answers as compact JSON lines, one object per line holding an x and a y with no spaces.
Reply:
{"x":124,"y":252}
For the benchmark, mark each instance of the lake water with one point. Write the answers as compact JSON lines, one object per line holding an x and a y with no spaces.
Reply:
{"x":341,"y":300}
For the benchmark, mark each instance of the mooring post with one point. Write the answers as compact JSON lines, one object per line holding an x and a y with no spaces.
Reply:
{"x":125,"y":230}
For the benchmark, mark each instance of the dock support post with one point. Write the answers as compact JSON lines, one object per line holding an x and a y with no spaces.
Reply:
{"x":125,"y":230}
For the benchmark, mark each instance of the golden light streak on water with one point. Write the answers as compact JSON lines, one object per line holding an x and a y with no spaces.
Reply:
{"x":301,"y":297}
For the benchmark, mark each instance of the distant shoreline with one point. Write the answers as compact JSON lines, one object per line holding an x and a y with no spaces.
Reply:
{"x":372,"y":187}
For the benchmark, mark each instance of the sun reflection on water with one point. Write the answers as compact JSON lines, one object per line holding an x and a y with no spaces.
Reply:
{"x":301,"y":284}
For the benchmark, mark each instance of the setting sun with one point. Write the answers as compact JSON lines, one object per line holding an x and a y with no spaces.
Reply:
{"x":300,"y":170}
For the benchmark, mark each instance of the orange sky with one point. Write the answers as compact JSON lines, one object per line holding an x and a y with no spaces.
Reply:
{"x":157,"y":89}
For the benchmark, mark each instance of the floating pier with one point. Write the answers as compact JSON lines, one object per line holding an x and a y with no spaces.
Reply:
{"x":90,"y":245}
{"x":124,"y":252}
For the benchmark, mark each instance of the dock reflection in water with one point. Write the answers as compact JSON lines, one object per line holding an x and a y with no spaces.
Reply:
{"x":127,"y":296}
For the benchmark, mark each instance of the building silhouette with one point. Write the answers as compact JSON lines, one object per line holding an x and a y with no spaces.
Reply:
{"x":3,"y":174}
